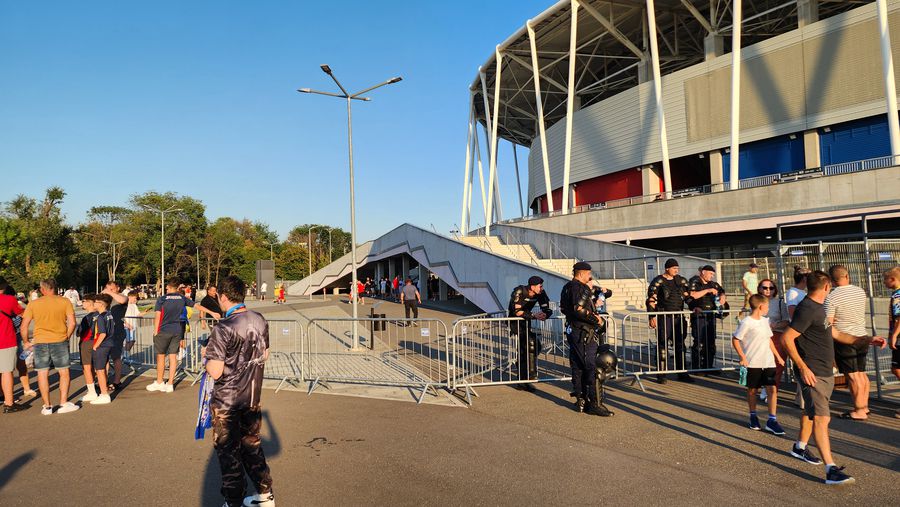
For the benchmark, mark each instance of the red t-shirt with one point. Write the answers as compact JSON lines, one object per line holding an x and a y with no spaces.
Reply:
{"x":360,"y":287}
{"x":10,"y":306}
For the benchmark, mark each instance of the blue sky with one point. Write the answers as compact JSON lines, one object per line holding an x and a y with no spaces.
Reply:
{"x":108,"y":99}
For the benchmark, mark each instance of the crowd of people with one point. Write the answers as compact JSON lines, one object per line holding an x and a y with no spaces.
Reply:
{"x":819,"y":326}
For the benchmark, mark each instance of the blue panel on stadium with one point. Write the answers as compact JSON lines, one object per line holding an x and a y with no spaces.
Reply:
{"x":855,"y":140}
{"x":769,"y":156}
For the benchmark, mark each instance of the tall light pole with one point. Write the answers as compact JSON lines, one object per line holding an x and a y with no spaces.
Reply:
{"x":162,"y":241}
{"x":114,"y":262}
{"x":272,"y":254}
{"x":329,"y":245}
{"x":350,"y":98}
{"x":309,"y":251}
{"x":97,"y":271}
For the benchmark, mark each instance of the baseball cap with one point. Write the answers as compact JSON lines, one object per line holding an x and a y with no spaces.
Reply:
{"x":581,"y":266}
{"x":708,"y":268}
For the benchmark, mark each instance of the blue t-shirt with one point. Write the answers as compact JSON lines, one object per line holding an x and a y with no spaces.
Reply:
{"x":105,"y":324}
{"x":172,"y":311}
{"x":86,"y":328}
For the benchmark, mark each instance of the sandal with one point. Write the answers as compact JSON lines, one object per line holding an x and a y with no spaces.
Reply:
{"x":847,"y":415}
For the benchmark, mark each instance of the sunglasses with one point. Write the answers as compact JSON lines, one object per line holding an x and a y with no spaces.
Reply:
{"x":767,"y":287}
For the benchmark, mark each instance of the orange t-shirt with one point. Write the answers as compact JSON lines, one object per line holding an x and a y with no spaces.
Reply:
{"x":50,"y":315}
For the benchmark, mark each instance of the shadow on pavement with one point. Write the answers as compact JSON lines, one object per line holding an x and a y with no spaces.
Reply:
{"x":8,"y":472}
{"x":212,"y":477}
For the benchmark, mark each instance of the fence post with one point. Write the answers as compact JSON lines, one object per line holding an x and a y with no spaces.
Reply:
{"x":871,"y":291}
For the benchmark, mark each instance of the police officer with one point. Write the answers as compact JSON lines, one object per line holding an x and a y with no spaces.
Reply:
{"x":521,"y":302}
{"x":583,"y":325}
{"x":707,"y":296}
{"x":668,"y":293}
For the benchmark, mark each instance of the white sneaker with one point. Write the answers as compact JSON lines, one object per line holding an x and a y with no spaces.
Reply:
{"x":67,"y":407}
{"x":260,"y":500}
{"x":45,"y":410}
{"x":167,"y":388}
{"x":90,"y":396}
{"x":103,"y":399}
{"x":155,"y":386}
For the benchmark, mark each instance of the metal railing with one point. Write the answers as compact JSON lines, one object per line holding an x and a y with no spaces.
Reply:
{"x":390,"y":352}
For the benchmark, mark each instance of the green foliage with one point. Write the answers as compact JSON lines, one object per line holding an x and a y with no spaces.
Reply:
{"x":35,"y":243}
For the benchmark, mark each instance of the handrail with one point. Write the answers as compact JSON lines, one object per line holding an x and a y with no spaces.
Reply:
{"x":758,"y":181}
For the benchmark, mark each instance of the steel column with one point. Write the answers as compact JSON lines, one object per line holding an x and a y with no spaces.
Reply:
{"x":887,"y":66}
{"x":545,"y":157}
{"x":468,"y":169}
{"x":735,"y":95}
{"x":570,"y":104}
{"x":493,"y":140}
{"x":657,"y":91}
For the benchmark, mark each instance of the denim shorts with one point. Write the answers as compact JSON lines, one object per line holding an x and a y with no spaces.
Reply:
{"x":57,"y":353}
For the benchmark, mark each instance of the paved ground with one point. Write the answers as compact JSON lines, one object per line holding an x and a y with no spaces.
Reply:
{"x":677,"y":444}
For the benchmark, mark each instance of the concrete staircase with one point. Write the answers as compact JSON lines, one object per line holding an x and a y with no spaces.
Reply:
{"x":628,"y":294}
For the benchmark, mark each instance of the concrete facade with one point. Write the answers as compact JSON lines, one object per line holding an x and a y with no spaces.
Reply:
{"x":744,"y":209}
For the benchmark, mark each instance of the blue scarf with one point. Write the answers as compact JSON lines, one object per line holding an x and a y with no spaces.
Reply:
{"x":204,"y":413}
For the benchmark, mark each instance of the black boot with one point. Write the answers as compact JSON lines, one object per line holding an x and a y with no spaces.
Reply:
{"x":579,"y":404}
{"x":598,"y":409}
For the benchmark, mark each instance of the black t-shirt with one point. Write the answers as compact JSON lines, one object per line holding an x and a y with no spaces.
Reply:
{"x":117,"y":310}
{"x":240,"y":341}
{"x":815,"y":344}
{"x":210,"y":304}
{"x":707,"y":301}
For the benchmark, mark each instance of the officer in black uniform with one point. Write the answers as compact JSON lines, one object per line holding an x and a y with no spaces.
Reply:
{"x":521,"y":302}
{"x":583,"y":325}
{"x":707,"y":296}
{"x":668,"y":292}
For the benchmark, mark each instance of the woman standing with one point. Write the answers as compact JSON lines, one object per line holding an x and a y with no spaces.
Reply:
{"x":778,"y":321}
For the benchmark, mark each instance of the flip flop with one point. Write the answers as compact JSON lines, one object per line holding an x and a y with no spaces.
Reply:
{"x":846,"y":415}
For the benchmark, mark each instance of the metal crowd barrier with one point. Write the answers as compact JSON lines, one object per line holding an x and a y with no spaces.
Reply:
{"x":639,"y":352}
{"x":485,"y":351}
{"x":388,"y":351}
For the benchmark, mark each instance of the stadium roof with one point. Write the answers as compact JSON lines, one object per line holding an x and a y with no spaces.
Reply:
{"x":612,"y":40}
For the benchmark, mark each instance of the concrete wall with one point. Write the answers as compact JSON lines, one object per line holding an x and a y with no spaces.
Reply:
{"x":735,"y":210}
{"x":822,"y":74}
{"x":608,"y":260}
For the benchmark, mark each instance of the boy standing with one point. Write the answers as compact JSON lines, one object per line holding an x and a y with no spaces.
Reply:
{"x":170,"y":333}
{"x":753,"y":343}
{"x":892,"y":282}
{"x":104,"y":331}
{"x":86,"y":345}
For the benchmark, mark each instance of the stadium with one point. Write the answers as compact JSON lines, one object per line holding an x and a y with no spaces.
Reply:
{"x":647,"y":163}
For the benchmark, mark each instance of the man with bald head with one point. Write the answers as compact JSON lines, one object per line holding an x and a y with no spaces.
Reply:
{"x":845,"y":309}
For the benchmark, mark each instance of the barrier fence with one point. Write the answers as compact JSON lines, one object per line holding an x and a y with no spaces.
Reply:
{"x":481,"y":350}
{"x":388,"y":351}
{"x":695,"y":342}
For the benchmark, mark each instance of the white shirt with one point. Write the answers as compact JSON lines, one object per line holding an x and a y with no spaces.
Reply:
{"x":755,"y":336}
{"x":263,"y":287}
{"x":72,"y":295}
{"x":794,"y":296}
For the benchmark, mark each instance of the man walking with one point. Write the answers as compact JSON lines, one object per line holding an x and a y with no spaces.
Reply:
{"x":667,"y":293}
{"x":521,"y":302}
{"x":749,"y":282}
{"x":410,"y":299}
{"x":582,"y":326}
{"x":54,"y":322}
{"x":811,"y":346}
{"x":845,"y":308}
{"x":706,"y":297}
{"x":235,"y":357}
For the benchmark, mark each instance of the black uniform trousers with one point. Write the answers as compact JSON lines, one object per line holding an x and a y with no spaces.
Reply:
{"x":239,"y":449}
{"x":703,"y":350}
{"x":670,"y":328}
{"x":411,"y":306}
{"x":527,"y":362}
{"x":583,"y":360}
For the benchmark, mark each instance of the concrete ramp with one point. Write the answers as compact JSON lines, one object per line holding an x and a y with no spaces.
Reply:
{"x":484,"y":278}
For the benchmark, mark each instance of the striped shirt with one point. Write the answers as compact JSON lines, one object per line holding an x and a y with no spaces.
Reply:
{"x":847,"y":304}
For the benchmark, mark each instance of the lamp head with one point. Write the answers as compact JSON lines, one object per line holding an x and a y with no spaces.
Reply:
{"x":326,"y":69}
{"x":304,"y":90}
{"x":395,"y":80}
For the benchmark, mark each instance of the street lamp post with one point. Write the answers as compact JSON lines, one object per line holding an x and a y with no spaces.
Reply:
{"x":97,"y":271}
{"x":114,"y":262}
{"x":309,"y":253}
{"x":162,"y":241}
{"x":350,"y":98}
{"x":329,"y":245}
